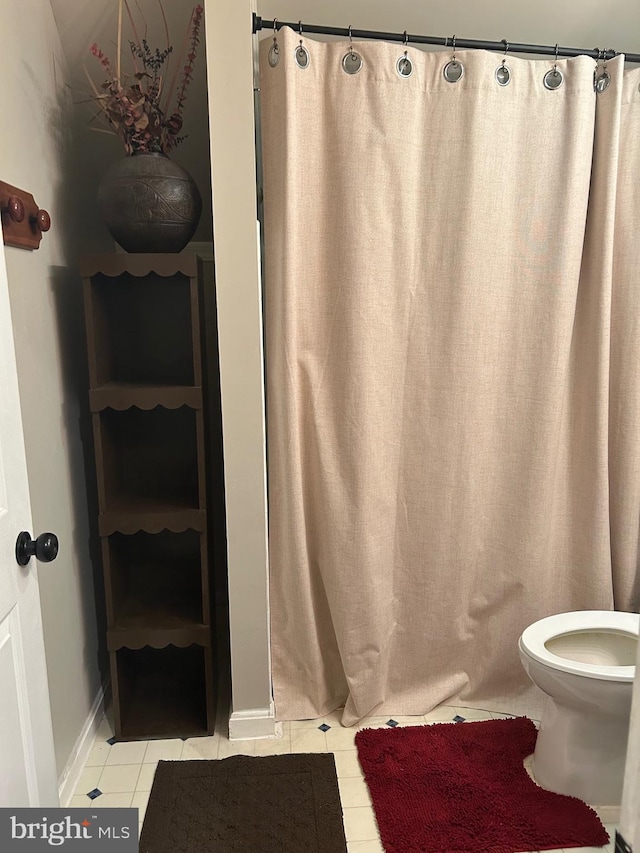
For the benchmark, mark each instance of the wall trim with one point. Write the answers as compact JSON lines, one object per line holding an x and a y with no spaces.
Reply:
{"x":254,"y":723}
{"x":70,"y":776}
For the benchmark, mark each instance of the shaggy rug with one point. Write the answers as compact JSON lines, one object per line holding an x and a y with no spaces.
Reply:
{"x":271,"y":804}
{"x":462,"y":788}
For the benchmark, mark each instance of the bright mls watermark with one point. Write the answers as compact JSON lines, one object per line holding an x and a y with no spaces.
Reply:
{"x":26,"y":830}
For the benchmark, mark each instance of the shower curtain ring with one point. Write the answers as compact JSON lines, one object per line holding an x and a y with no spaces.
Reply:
{"x":453,"y":70}
{"x":302,"y":54}
{"x":553,"y":79}
{"x":350,"y":41}
{"x":404,"y":66}
{"x":503,"y":73}
{"x":274,"y":50}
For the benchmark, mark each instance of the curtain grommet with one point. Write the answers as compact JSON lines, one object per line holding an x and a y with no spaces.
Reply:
{"x":503,"y":75}
{"x":553,"y":79}
{"x":453,"y":71}
{"x":352,"y":62}
{"x":302,"y":56}
{"x":404,"y":66}
{"x":274,"y":55}
{"x":601,"y":82}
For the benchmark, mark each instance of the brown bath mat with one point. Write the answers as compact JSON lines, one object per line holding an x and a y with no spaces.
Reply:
{"x":279,"y":803}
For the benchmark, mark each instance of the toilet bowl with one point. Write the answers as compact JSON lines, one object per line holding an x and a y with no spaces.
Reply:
{"x":585,"y":662}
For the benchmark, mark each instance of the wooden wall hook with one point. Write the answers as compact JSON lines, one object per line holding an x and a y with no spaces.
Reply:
{"x":23,"y":222}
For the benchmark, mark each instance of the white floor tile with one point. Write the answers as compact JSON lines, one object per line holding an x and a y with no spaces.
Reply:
{"x":236,"y":747}
{"x":360,"y":824}
{"x":201,"y":748}
{"x":308,"y":740}
{"x":163,"y":750}
{"x":119,"y":778}
{"x":131,"y":752}
{"x":79,"y":802}
{"x":98,"y":755}
{"x":365,"y":847}
{"x":88,"y":780}
{"x":347,"y":764}
{"x":338,"y":738}
{"x":306,"y":724}
{"x":145,"y":779}
{"x":274,"y":745}
{"x":139,"y":801}
{"x":113,"y":801}
{"x":354,"y":792}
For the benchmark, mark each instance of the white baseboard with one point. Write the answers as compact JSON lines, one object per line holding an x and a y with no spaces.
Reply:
{"x":75,"y":765}
{"x":254,"y":723}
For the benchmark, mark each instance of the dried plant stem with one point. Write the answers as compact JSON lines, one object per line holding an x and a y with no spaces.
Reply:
{"x":119,"y":39}
{"x":174,"y":79}
{"x":135,"y":33}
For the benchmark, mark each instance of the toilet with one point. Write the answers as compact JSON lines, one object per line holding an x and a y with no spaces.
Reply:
{"x":585,"y":662}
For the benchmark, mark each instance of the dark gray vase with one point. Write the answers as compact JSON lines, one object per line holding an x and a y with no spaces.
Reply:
{"x":149,"y":203}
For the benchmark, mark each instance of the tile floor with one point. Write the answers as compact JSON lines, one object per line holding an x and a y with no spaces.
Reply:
{"x":123,"y":772}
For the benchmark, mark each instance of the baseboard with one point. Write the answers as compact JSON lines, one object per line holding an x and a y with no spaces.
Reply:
{"x":254,"y":723}
{"x":621,"y":844}
{"x":82,"y":747}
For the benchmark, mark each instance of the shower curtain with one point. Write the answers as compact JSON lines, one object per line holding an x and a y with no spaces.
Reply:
{"x":452,"y":315}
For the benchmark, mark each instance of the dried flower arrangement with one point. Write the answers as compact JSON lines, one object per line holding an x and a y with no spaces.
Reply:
{"x":142,"y":108}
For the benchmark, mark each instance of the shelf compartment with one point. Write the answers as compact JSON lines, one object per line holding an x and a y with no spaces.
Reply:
{"x":162,"y":693}
{"x":142,"y":330}
{"x":156,"y":581}
{"x":148,"y":461}
{"x":121,"y":396}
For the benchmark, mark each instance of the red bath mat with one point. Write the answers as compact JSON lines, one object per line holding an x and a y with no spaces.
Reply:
{"x":461,"y":788}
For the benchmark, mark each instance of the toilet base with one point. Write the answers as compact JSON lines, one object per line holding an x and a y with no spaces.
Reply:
{"x":581,"y":754}
{"x":607,"y":814}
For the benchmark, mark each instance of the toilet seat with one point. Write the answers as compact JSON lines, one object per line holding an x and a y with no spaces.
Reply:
{"x":533,"y":639}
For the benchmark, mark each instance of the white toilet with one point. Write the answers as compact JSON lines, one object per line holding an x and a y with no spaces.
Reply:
{"x":585,"y":663}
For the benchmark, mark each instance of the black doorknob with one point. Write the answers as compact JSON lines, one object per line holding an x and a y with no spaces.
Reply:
{"x":44,"y":548}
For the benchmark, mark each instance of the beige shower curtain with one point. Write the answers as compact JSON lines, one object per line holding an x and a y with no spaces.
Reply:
{"x":452,"y":297}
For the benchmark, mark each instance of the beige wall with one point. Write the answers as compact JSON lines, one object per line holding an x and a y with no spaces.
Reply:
{"x":585,"y":24}
{"x":38,"y":153}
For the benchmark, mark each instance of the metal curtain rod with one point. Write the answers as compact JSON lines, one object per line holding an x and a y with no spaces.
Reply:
{"x":260,"y":23}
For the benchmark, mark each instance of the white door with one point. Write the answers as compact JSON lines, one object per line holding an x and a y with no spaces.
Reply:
{"x":27,"y":761}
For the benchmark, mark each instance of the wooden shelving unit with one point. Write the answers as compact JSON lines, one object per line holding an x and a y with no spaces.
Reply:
{"x":143,"y":317}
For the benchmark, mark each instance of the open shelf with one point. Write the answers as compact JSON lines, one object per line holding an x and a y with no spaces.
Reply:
{"x":161,"y":692}
{"x":156,"y":580}
{"x":142,"y":330}
{"x":148,"y":460}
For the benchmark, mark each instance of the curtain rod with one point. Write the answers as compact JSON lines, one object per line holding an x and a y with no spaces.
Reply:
{"x":260,"y":23}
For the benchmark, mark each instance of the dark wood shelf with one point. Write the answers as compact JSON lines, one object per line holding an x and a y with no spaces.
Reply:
{"x":158,"y":637}
{"x":130,"y":518}
{"x":125,"y":395}
{"x":161,"y":692}
{"x":143,"y":315}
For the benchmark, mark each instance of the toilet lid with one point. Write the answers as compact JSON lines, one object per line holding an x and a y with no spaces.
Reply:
{"x":534,"y":639}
